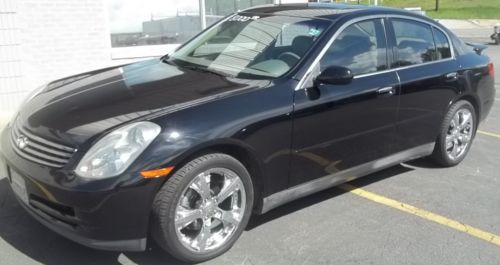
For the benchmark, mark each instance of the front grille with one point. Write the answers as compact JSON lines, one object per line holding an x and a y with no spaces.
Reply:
{"x":54,"y":212}
{"x":39,"y":150}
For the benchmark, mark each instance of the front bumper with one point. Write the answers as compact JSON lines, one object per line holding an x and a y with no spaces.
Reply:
{"x":108,"y":214}
{"x":58,"y":227}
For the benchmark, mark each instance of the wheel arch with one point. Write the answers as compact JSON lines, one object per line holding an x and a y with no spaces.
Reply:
{"x":240,"y":151}
{"x":475,"y":103}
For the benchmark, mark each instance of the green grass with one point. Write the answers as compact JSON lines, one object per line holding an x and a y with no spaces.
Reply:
{"x":467,"y":13}
{"x":458,"y":9}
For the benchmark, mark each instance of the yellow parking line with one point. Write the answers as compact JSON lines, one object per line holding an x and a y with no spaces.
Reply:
{"x":489,"y":134}
{"x":492,"y":238}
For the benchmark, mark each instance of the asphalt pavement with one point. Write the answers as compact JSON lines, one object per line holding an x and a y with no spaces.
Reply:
{"x":331,"y":227}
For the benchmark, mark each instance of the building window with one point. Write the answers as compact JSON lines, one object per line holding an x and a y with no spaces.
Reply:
{"x":155,"y":22}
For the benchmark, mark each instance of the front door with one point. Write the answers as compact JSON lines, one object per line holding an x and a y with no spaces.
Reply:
{"x":342,"y":126}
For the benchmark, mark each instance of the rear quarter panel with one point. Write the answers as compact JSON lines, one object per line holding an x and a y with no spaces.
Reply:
{"x":476,"y":82}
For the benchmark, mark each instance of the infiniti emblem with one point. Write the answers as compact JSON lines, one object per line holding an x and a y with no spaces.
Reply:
{"x":22,"y":141}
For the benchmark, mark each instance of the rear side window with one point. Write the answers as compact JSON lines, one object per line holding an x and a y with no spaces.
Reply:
{"x":443,"y":50}
{"x":415,"y":42}
{"x":361,"y":47}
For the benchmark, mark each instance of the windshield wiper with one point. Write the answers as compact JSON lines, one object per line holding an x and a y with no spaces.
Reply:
{"x":166,"y":59}
{"x":206,"y":70}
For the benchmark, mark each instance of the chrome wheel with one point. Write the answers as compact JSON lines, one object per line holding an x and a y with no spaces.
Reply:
{"x":210,"y":210}
{"x":459,"y":134}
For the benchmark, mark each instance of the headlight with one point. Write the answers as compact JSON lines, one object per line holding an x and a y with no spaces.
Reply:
{"x":114,"y":153}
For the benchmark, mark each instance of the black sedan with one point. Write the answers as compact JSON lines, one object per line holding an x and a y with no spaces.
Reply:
{"x":266,"y":106}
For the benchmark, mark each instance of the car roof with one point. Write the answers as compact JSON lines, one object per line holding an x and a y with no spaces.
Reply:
{"x":331,"y":11}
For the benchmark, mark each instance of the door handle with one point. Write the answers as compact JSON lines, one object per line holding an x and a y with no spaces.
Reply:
{"x":386,"y":90}
{"x":451,"y":76}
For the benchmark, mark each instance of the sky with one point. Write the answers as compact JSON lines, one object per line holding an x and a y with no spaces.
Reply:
{"x":128,"y":15}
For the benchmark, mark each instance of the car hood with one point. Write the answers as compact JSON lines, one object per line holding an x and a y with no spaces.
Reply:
{"x":76,"y":108}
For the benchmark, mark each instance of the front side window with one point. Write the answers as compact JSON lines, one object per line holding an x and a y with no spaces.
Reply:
{"x":443,"y":50}
{"x":415,"y":43}
{"x":361,"y":47}
{"x":255,"y":47}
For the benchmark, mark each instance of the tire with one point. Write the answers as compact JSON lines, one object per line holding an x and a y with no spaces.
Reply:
{"x":459,"y":137}
{"x":183,"y":193}
{"x":497,"y":39}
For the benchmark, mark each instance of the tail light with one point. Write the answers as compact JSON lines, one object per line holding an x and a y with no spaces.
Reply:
{"x":491,"y":70}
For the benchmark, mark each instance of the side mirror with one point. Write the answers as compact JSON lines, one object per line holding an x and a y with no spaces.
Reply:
{"x":335,"y":75}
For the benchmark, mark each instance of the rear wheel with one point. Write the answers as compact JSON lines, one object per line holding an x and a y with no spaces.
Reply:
{"x":456,"y":135}
{"x":203,"y":208}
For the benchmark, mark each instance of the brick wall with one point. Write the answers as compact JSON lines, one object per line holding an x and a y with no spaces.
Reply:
{"x":11,"y":74}
{"x":62,"y":37}
{"x":42,"y":40}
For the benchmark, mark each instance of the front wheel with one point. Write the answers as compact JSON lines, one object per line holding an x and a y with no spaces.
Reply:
{"x":456,"y":135}
{"x":203,"y":208}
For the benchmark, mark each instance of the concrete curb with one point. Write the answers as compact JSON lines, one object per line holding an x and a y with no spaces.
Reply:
{"x":469,"y":23}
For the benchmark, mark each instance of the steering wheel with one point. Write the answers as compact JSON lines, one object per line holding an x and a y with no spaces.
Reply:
{"x":289,"y":58}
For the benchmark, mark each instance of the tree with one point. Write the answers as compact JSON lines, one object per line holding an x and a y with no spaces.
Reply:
{"x":437,"y":5}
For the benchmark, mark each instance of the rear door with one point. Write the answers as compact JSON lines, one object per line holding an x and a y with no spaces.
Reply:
{"x":346,"y":125}
{"x":429,"y":80}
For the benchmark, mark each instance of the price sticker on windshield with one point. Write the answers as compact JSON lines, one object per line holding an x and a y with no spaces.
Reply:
{"x":241,"y":18}
{"x":314,"y":32}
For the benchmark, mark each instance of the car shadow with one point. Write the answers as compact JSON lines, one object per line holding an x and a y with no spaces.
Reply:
{"x":19,"y":230}
{"x":23,"y":233}
{"x":327,"y":194}
{"x":423,"y":163}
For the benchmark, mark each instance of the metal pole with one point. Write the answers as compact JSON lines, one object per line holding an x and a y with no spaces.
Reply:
{"x":375,"y":2}
{"x":203,"y":17}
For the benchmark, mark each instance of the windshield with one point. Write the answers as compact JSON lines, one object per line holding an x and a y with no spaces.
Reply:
{"x":253,"y":47}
